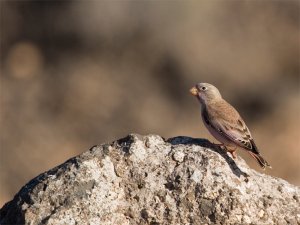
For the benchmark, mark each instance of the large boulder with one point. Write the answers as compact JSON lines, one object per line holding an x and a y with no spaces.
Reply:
{"x":149,"y":180}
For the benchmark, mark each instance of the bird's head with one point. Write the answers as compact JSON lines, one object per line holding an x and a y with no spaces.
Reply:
{"x":205,"y":92}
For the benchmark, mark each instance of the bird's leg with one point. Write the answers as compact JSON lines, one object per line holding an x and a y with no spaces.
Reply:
{"x":226,"y":148}
{"x":233,"y":152}
{"x":234,"y":155}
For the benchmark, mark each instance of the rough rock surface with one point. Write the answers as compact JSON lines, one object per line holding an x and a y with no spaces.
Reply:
{"x":147,"y":180}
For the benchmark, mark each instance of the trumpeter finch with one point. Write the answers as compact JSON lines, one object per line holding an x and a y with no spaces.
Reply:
{"x":225,"y":123}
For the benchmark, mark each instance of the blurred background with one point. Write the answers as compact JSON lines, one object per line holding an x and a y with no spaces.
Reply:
{"x":75,"y":74}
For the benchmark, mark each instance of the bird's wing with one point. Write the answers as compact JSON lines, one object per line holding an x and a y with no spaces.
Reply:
{"x":227,"y":121}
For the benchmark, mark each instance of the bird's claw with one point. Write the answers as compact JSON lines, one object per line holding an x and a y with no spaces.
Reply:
{"x":233,"y":154}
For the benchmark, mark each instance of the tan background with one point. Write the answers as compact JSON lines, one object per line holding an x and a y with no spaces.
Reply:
{"x":76,"y":74}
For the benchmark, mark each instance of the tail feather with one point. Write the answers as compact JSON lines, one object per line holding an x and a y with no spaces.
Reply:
{"x":261,"y":161}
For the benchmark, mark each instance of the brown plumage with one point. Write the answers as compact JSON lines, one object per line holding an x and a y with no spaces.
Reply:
{"x":225,"y":123}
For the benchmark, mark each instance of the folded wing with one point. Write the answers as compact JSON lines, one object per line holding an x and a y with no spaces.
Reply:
{"x":227,"y":121}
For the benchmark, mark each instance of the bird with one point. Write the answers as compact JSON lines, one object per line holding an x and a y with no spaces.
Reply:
{"x":225,"y":123}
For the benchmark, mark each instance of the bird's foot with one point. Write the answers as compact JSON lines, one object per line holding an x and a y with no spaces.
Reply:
{"x":233,"y":154}
{"x":224,"y":147}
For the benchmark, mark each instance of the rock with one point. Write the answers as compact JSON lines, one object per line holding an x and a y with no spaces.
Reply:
{"x":149,"y":180}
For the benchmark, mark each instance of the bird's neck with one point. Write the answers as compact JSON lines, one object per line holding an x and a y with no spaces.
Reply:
{"x":208,"y":101}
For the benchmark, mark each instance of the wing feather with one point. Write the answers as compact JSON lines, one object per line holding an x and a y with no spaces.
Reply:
{"x":226,"y":120}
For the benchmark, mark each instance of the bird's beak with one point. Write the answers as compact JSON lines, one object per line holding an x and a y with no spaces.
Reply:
{"x":194,"y":91}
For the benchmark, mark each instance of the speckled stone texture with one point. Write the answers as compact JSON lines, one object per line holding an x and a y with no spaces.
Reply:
{"x":149,"y":180}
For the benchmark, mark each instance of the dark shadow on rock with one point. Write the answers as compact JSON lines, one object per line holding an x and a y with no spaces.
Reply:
{"x":183,"y":140}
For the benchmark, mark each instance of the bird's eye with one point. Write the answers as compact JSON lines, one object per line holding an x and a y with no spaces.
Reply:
{"x":203,"y":88}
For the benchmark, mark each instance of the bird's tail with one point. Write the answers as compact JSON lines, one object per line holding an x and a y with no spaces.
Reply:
{"x":261,"y":161}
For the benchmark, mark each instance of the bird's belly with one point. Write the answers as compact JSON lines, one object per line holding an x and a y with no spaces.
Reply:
{"x":217,"y":135}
